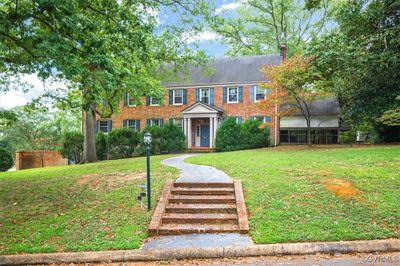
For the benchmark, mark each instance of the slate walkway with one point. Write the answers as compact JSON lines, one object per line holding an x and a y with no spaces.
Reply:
{"x":191,"y":173}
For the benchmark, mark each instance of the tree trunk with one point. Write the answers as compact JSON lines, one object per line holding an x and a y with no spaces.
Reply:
{"x":89,"y":147}
{"x":309,"y":136}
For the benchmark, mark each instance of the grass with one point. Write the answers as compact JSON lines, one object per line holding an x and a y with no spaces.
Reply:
{"x":76,"y":208}
{"x":318,"y":194}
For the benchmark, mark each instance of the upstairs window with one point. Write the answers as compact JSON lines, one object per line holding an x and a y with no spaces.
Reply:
{"x":155,"y":101}
{"x":178,"y":97}
{"x":260,"y":94}
{"x":205,"y":95}
{"x":233,"y":95}
{"x":130,"y":100}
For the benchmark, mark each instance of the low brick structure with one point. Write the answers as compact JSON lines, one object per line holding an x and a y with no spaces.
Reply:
{"x":38,"y":158}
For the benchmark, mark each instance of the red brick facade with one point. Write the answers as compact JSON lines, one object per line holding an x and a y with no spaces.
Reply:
{"x":244,"y":109}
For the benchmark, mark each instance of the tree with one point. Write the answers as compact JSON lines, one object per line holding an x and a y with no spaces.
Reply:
{"x":295,"y":84}
{"x":262,"y":26}
{"x":103,"y":48}
{"x":361,"y":58}
{"x":6,"y":160}
{"x":391,"y":117}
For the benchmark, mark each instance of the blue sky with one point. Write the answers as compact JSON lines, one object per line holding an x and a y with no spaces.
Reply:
{"x":207,"y":41}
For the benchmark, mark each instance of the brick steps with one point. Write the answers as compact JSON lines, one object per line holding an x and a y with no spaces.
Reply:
{"x":176,"y":229}
{"x":210,"y":199}
{"x":204,"y":218}
{"x":202,"y":191}
{"x":200,"y":208}
{"x":186,"y":208}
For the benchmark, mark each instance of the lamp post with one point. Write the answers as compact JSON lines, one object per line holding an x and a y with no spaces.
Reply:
{"x":147,"y":141}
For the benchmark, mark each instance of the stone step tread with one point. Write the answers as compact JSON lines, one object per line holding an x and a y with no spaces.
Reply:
{"x":202,"y":191}
{"x":203,"y":185}
{"x":216,"y":197}
{"x":218,"y":216}
{"x":200,"y":208}
{"x":209,"y":189}
{"x":166,"y":229}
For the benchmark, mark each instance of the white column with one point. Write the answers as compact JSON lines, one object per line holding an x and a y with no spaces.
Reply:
{"x":189,"y":137}
{"x":211,"y":131}
{"x":185,"y":128}
{"x":215,"y":129}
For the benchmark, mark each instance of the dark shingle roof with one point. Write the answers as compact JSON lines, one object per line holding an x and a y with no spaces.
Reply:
{"x":226,"y":70}
{"x":327,"y":106}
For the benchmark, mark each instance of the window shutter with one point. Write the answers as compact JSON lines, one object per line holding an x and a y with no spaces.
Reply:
{"x":171,"y":97}
{"x":148,"y":122}
{"x":197,"y":95}
{"x":251,"y":118}
{"x":252,"y":92}
{"x":171,"y":121}
{"x":97,"y":126}
{"x":138,"y":125}
{"x":125,"y":96}
{"x":125,"y":123}
{"x":109,"y":122}
{"x":239,"y":119}
{"x":240,"y":94}
{"x":267,"y":119}
{"x":184,"y":96}
{"x":161,"y":122}
{"x":148,"y":100}
{"x":211,"y":96}
{"x":225,"y":95}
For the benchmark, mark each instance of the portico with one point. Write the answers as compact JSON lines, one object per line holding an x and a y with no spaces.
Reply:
{"x":200,"y":123}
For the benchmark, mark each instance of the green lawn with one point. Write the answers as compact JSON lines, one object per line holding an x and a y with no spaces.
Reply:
{"x":74,"y":208}
{"x":317,"y":195}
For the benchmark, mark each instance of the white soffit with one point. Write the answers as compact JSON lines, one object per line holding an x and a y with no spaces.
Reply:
{"x":331,"y":121}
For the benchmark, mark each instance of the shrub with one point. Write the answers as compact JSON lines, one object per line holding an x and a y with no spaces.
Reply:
{"x":252,"y":135}
{"x":122,"y":142}
{"x":72,"y":146}
{"x":156,"y":135}
{"x":172,"y":139}
{"x":6,"y":160}
{"x":101,"y":146}
{"x":227,"y":138}
{"x":347,"y":137}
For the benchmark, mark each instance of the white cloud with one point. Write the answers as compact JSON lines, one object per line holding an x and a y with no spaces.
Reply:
{"x":230,"y":6}
{"x":204,"y":36}
{"x":15,"y":98}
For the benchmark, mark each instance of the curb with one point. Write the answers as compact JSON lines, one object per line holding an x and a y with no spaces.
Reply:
{"x":367,"y":246}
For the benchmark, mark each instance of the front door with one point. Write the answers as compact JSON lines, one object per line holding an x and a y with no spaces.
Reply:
{"x":204,"y":135}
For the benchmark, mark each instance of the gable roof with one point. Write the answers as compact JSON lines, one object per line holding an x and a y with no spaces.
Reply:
{"x":204,"y":106}
{"x":227,"y":70}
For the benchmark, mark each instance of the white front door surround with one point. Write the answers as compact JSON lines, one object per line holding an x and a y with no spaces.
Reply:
{"x":200,"y":110}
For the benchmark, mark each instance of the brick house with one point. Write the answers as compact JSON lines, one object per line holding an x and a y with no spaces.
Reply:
{"x":200,"y":103}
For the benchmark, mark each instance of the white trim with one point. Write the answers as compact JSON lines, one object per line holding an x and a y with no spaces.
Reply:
{"x":209,"y":94}
{"x":237,"y":95}
{"x":173,"y":97}
{"x":151,"y":104}
{"x":130,"y":105}
{"x":188,"y":86}
{"x":255,"y":93}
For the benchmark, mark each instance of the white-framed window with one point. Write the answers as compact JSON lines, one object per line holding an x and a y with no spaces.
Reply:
{"x":154,"y":101}
{"x":155,"y":122}
{"x":130,"y":100}
{"x":205,"y":95}
{"x":233,"y":95}
{"x":177,"y":97}
{"x":134,"y":124}
{"x":262,"y":119}
{"x":259,"y":94}
{"x":103,"y":126}
{"x":178,"y":122}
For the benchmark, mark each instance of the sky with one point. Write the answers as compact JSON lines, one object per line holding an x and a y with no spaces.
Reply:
{"x":207,"y":40}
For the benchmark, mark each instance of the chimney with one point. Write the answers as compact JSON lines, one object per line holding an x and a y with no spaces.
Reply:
{"x":283,"y":52}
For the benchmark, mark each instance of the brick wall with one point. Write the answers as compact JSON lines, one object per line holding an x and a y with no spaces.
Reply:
{"x":38,"y":158}
{"x":244,"y":109}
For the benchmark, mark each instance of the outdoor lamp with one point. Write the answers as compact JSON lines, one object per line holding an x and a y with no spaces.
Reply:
{"x":147,"y":141}
{"x":147,"y":138}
